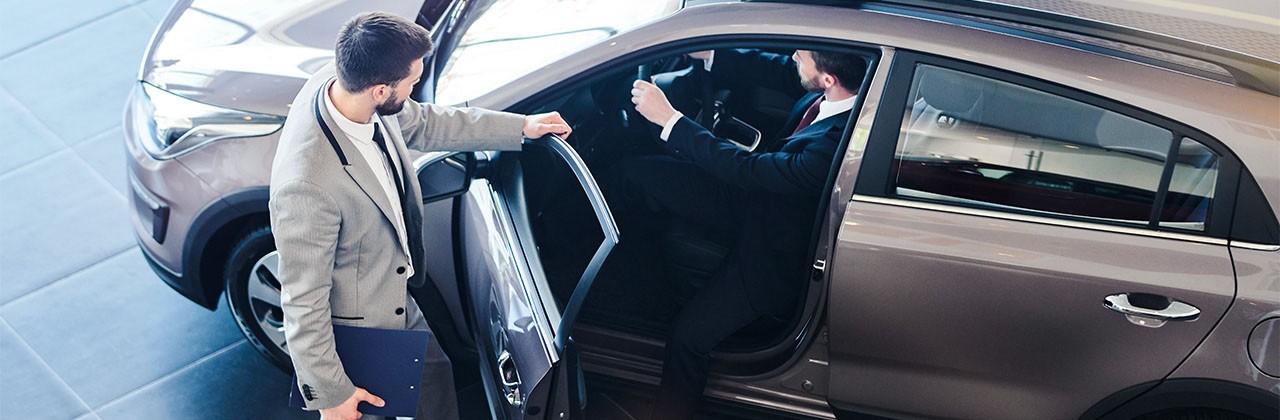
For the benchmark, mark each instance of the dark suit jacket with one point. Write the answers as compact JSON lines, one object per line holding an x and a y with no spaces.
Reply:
{"x":781,"y":185}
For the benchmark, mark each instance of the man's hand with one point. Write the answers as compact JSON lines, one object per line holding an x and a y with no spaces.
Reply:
{"x":651,"y":102}
{"x":348,"y":409}
{"x":539,"y":125}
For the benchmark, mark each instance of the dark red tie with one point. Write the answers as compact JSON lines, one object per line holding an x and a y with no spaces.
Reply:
{"x":809,"y":116}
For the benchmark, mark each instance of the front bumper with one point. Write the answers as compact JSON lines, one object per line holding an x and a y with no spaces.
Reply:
{"x":166,"y":199}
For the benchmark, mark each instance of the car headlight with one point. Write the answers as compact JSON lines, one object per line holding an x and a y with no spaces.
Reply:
{"x":176,"y":125}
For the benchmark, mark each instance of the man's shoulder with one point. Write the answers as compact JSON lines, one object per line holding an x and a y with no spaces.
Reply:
{"x":823,"y":135}
{"x":304,"y":151}
{"x":304,"y":154}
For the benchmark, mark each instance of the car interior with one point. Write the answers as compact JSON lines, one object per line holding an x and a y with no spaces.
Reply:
{"x":957,"y":119}
{"x":661,"y":261}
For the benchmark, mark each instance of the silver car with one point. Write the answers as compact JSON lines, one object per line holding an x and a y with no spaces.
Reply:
{"x":1033,"y":214}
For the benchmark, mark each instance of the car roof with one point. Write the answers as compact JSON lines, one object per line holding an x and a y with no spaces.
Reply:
{"x":1246,"y":120}
{"x":1221,"y":49}
{"x":1248,"y":33}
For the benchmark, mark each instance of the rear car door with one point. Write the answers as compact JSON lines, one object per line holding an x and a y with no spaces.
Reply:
{"x":1016,"y":249}
{"x":522,"y":331}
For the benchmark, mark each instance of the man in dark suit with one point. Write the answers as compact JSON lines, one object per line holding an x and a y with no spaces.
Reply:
{"x":767,"y":200}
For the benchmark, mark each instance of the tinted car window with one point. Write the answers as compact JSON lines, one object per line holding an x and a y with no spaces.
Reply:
{"x":978,"y":141}
{"x":1191,"y":187}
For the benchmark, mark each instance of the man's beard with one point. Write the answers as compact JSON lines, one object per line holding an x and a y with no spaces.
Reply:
{"x":811,"y":84}
{"x":390,"y":106}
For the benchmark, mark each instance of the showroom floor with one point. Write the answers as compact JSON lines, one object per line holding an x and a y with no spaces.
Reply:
{"x":87,"y":331}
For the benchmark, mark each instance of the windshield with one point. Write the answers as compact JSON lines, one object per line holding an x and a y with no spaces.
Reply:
{"x":515,"y":37}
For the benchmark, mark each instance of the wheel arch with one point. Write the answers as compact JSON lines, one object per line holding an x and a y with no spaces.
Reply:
{"x":1153,"y":397}
{"x":213,"y":232}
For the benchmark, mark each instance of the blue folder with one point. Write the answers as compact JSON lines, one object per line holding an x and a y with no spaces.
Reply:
{"x":387,"y":363}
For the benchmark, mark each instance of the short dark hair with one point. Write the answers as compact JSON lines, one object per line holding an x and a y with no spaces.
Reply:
{"x":378,"y":48}
{"x":848,"y":69}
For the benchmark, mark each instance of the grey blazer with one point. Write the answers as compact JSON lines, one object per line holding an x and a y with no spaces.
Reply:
{"x":340,"y":257}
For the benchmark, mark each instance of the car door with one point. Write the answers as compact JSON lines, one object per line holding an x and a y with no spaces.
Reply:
{"x":1016,"y":249}
{"x":443,"y":176}
{"x":522,"y":331}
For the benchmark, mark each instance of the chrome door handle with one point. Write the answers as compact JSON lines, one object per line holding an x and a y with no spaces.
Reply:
{"x":510,"y":379}
{"x":1153,"y":307}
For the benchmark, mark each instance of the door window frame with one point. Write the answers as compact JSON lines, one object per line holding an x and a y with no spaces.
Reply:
{"x":877,"y":176}
{"x":802,"y":333}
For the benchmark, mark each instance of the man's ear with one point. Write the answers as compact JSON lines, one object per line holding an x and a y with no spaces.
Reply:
{"x":828,"y":80}
{"x":380,"y":92}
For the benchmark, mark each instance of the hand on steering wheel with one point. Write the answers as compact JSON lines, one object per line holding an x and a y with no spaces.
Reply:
{"x":651,"y":102}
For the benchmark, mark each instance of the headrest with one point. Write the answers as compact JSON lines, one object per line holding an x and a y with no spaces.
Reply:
{"x":948,"y":91}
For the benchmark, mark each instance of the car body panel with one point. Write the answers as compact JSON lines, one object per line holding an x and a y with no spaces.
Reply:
{"x":229,"y":165}
{"x":1225,"y":354}
{"x":175,"y":186}
{"x":437,"y":239}
{"x":508,"y":316}
{"x":974,"y":306}
{"x":250,"y":55}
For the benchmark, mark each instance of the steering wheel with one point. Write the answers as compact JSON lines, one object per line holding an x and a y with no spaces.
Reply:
{"x":673,"y":75}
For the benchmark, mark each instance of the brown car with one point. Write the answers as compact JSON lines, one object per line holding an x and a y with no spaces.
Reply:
{"x":1033,"y":214}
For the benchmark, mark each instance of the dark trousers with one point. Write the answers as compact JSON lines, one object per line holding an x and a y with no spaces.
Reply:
{"x":717,"y":310}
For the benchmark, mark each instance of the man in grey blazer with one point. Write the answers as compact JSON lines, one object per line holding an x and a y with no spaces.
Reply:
{"x":346,"y":207}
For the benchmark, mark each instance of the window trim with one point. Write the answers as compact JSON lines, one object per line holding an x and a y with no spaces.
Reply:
{"x":876,"y":177}
{"x":1052,"y":220}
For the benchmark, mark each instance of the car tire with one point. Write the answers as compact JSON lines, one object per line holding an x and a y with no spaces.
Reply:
{"x":253,"y":294}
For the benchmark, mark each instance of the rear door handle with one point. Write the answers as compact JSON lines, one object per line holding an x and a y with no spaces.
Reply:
{"x":1150,"y":309}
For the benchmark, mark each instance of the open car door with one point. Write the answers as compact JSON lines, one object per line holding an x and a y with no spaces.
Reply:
{"x":521,"y":329}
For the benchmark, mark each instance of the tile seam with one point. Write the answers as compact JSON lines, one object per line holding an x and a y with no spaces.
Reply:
{"x":46,"y":365}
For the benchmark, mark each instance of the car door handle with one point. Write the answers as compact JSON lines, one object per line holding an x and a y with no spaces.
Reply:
{"x":1150,"y":306}
{"x":510,"y":378}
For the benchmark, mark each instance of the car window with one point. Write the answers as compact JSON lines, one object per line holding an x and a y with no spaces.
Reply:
{"x":506,"y":42}
{"x":1191,"y":187}
{"x":983,"y":142}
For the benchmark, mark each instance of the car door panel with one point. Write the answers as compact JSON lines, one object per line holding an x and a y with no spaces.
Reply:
{"x":511,"y":326}
{"x":522,"y":331}
{"x":946,"y":307}
{"x":967,"y":316}
{"x":442,"y":175}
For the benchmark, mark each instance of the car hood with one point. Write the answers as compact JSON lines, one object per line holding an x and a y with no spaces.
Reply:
{"x":250,"y":55}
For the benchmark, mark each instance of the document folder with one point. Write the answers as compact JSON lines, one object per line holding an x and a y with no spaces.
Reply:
{"x":387,"y":363}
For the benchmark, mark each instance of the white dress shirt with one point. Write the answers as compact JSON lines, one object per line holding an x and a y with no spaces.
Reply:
{"x":362,"y":136}
{"x":825,"y":109}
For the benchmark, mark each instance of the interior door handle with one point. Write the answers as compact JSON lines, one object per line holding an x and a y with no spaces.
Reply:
{"x":510,"y":379}
{"x":1150,"y":307}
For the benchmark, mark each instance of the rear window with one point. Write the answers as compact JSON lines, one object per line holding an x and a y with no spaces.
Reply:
{"x":977,"y":141}
{"x":513,"y":38}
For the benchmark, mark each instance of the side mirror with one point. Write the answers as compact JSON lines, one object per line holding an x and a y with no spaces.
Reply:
{"x":446,"y":175}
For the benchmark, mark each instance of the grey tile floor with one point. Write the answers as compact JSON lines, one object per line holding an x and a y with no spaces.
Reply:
{"x":87,"y":331}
